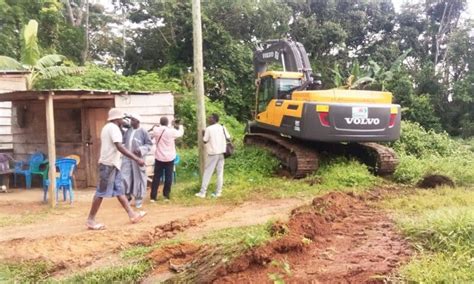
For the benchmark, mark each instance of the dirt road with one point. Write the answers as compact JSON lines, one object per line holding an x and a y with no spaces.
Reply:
{"x":339,"y":237}
{"x":60,"y":235}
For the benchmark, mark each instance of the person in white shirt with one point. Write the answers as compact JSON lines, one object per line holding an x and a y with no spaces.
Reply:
{"x":110,"y":179}
{"x":215,"y":138}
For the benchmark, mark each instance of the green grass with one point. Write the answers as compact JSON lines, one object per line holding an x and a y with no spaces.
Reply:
{"x":25,"y":272}
{"x":251,"y":174}
{"x":459,"y":168}
{"x":440,"y":225}
{"x":130,"y":273}
{"x":246,"y":237}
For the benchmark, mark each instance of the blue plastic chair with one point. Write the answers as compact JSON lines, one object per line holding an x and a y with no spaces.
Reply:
{"x":176,"y":162}
{"x":64,"y":180}
{"x":31,"y":167}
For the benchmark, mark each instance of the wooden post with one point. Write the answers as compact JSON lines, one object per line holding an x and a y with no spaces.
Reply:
{"x":51,"y":148}
{"x":199,"y":80}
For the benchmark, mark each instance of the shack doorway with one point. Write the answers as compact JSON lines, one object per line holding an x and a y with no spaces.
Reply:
{"x":96,"y":118}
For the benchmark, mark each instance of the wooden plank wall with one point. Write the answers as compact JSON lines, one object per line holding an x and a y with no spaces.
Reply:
{"x":8,"y":83}
{"x":32,"y":137}
{"x":151,"y":108}
{"x":69,"y":125}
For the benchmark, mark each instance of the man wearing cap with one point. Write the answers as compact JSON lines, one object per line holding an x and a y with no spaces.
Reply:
{"x":110,"y":178}
{"x":137,"y":141}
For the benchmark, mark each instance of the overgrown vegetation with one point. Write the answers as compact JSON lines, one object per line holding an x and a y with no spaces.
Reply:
{"x":252,"y":173}
{"x":129,"y":273}
{"x":425,"y":152}
{"x":100,"y":78}
{"x":440,"y":224}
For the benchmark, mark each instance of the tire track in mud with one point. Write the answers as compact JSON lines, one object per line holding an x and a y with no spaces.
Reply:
{"x":338,"y":238}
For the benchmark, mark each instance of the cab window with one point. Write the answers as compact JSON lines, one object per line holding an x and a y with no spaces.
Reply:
{"x":266,"y":92}
{"x":286,"y":86}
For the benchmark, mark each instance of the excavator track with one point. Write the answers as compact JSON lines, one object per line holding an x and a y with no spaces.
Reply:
{"x":302,"y":159}
{"x":381,"y":159}
{"x":299,"y":159}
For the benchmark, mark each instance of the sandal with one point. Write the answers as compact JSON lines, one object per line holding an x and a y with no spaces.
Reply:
{"x":137,"y":219}
{"x":95,"y":227}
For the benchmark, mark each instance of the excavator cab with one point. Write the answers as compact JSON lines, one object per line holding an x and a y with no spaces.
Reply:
{"x":276,"y":85}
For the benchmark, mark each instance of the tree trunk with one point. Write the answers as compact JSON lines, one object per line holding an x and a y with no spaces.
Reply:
{"x":70,"y":14}
{"x":85,"y":51}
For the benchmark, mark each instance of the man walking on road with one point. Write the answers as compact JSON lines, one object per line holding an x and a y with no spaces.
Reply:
{"x":110,"y":178}
{"x":215,"y":138}
{"x":137,"y":141}
{"x":165,"y":155}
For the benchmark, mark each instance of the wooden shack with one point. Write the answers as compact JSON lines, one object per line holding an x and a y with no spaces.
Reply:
{"x":79,"y":116}
{"x":9,"y":81}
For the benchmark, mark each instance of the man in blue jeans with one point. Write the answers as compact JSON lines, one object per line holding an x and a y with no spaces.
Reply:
{"x":110,"y":179}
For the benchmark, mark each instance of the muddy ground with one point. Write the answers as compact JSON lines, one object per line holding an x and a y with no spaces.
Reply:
{"x":31,"y":231}
{"x":335,"y":238}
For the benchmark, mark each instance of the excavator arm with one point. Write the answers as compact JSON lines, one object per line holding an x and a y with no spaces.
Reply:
{"x":291,"y":54}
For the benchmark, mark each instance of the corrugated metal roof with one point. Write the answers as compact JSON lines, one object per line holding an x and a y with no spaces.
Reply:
{"x":73,"y":94}
{"x":13,"y":72}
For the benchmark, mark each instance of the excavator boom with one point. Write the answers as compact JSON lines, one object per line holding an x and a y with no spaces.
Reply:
{"x":291,"y":54}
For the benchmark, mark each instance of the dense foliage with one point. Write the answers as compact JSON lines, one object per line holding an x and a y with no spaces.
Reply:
{"x":433,"y":83}
{"x":425,"y":152}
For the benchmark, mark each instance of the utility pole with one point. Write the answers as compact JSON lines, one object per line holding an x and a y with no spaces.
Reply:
{"x":199,"y":80}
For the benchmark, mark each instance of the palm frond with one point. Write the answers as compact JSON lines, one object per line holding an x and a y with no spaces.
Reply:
{"x":8,"y":63}
{"x":337,"y":75}
{"x":355,"y":69}
{"x":56,"y":71}
{"x":398,"y":62}
{"x":30,"y":53}
{"x":362,"y":81}
{"x":375,"y":67}
{"x":50,"y":60}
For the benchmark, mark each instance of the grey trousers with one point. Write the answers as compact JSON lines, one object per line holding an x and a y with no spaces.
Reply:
{"x":213,"y":162}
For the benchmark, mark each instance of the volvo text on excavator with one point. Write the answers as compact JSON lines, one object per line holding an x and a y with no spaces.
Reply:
{"x":297,"y":121}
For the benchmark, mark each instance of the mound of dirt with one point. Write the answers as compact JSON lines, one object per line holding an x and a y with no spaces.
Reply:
{"x":174,"y":257}
{"x":338,"y":238}
{"x":433,"y":181}
{"x":167,"y":231}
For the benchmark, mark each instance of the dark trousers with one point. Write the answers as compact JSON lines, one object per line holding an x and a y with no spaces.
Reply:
{"x":167,"y":167}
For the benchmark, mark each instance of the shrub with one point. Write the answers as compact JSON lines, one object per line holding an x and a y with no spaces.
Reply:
{"x":424,"y":152}
{"x":185,"y":109}
{"x":341,"y":172}
{"x":418,"y":142}
{"x":96,"y":77}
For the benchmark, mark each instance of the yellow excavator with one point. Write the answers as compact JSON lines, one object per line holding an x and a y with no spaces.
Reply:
{"x":297,"y":121}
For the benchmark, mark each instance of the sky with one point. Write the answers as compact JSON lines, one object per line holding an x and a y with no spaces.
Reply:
{"x":469,"y":11}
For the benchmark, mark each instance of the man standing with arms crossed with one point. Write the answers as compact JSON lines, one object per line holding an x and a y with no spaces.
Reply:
{"x":110,"y":178}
